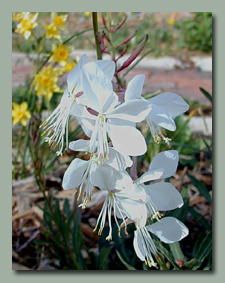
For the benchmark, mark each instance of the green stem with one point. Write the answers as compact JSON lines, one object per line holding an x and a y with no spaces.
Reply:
{"x":95,"y":28}
{"x":25,"y":149}
{"x":20,"y":139}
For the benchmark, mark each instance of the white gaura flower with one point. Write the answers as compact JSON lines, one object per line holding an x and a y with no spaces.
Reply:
{"x":164,"y":108}
{"x":117,"y":123}
{"x":83,"y":174}
{"x":126,"y":203}
{"x":57,"y":123}
{"x":163,"y":196}
{"x":168,"y":230}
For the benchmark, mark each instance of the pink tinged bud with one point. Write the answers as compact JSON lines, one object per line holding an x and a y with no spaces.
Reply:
{"x":180,"y":262}
{"x":93,"y":112}
{"x":104,"y":21}
{"x":79,"y":94}
{"x":122,"y":23}
{"x":101,"y":41}
{"x":107,"y":38}
{"x":126,"y":40}
{"x":134,"y":54}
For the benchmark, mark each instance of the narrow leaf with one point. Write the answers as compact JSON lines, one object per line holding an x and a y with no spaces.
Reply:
{"x":201,"y":188}
{"x":207,"y":94}
{"x":128,"y":266}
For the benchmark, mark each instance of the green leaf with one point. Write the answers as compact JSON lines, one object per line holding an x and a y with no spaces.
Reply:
{"x":201,"y":188}
{"x":208,"y":147}
{"x":60,"y":223}
{"x":176,"y":251}
{"x":77,"y":241}
{"x":206,"y":93}
{"x":66,"y":208}
{"x":205,"y":249}
{"x":199,"y":218}
{"x":68,"y":224}
{"x":103,"y":258}
{"x":184,"y":192}
{"x":128,"y":266}
{"x":167,"y":254}
{"x":191,"y":263}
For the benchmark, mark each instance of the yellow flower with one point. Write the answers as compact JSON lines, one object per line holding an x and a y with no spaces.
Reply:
{"x":171,"y":20}
{"x":69,"y":67}
{"x":51,"y":31}
{"x":61,"y":54}
{"x":87,"y":13}
{"x":26,"y":24}
{"x":20,"y":113}
{"x":59,"y":21}
{"x":17,"y":16}
{"x":46,"y":82}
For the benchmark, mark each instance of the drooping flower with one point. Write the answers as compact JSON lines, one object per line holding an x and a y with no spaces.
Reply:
{"x":20,"y":113}
{"x":165,"y":108}
{"x":26,"y":24}
{"x":92,"y":172}
{"x":46,"y":82}
{"x":122,"y":204}
{"x":58,"y":20}
{"x":61,"y":54}
{"x":125,"y":201}
{"x":117,"y":123}
{"x":168,"y":230}
{"x":52,"y":32}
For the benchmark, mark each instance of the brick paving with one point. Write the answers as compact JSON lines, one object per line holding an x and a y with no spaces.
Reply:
{"x":183,"y":82}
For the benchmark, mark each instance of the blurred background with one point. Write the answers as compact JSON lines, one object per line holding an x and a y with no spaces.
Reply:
{"x":48,"y":230}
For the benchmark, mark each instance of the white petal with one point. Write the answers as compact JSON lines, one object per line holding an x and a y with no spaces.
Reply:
{"x":150,"y":175}
{"x":110,"y":104}
{"x":171,"y":103}
{"x":76,"y":110}
{"x":164,"y":196}
{"x":138,"y":246}
{"x":96,"y":86}
{"x":117,"y":160}
{"x":169,"y":230}
{"x":107,"y":66}
{"x":134,"y":88}
{"x":79,"y":145}
{"x":84,"y":100}
{"x":134,"y":111}
{"x":131,"y":191}
{"x":74,"y":173}
{"x":169,"y":159}
{"x":87,"y":126}
{"x":74,"y":74}
{"x":160,"y":117}
{"x":127,"y":140}
{"x":104,"y":177}
{"x":135,"y":210}
{"x":117,"y":122}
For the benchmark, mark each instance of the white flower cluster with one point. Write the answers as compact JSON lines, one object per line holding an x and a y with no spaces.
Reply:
{"x":111,"y":127}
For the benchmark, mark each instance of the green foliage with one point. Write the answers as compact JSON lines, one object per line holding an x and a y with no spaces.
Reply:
{"x":196,"y":33}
